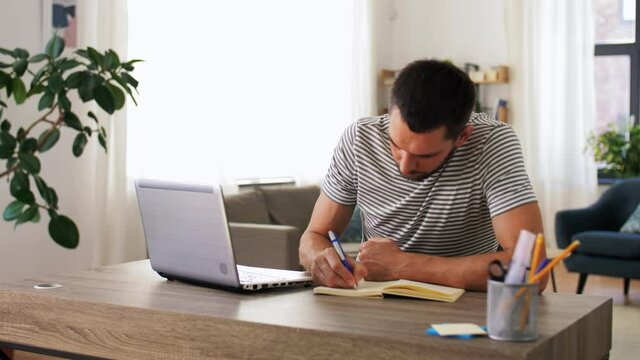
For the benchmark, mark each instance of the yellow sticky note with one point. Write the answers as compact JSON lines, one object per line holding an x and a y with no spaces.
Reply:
{"x":458,"y":329}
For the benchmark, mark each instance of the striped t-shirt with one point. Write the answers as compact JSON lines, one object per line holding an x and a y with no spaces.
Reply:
{"x":446,"y":214}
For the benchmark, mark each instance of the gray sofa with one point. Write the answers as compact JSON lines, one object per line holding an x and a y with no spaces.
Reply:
{"x":266,"y":224}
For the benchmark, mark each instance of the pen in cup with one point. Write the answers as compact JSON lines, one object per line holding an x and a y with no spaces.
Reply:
{"x":336,"y":245}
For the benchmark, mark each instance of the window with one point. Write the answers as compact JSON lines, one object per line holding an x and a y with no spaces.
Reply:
{"x":616,"y":63}
{"x":239,"y":89}
{"x":617,"y":52}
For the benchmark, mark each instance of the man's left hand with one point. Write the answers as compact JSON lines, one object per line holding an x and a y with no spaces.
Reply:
{"x":382,"y":258}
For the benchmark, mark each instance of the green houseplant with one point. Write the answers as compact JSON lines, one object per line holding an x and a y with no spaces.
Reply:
{"x":620,"y":152}
{"x":95,"y":76}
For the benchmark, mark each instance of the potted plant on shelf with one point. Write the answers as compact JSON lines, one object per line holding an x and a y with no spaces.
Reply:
{"x":618,"y":152}
{"x":95,"y":76}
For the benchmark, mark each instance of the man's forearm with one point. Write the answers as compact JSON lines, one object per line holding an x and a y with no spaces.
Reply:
{"x":311,"y":243}
{"x":468,"y":272}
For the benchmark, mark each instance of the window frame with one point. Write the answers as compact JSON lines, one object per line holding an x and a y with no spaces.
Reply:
{"x":633,"y":51}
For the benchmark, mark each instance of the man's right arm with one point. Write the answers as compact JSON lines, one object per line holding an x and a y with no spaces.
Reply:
{"x":316,"y":253}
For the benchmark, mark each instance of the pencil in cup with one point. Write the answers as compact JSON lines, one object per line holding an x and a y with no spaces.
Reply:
{"x":551,"y":264}
{"x":535,"y":260}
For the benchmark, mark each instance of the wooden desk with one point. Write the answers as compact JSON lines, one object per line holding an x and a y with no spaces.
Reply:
{"x":128,"y":311}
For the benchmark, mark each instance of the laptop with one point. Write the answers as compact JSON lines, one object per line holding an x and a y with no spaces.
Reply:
{"x":188,"y":238}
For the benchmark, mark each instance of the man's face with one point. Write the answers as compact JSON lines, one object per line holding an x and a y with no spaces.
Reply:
{"x":420,"y":154}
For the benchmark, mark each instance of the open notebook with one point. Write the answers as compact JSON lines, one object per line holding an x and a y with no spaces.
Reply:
{"x":406,"y":288}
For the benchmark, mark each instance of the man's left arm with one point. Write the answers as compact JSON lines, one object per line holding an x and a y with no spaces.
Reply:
{"x":385,"y":261}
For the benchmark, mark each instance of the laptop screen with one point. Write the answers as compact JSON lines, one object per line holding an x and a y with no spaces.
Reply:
{"x":186,"y":230}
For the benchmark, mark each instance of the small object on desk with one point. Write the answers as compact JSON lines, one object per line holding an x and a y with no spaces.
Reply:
{"x":460,"y":331}
{"x":336,"y":245}
{"x":535,"y":259}
{"x":521,"y":258}
{"x":408,"y":288}
{"x":497,"y":271}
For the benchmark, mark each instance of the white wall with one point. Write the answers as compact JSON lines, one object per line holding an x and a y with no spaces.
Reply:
{"x":29,"y":251}
{"x":460,"y":30}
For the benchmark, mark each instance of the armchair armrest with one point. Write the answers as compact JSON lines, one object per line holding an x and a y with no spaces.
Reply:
{"x":571,"y":222}
{"x":265,"y":245}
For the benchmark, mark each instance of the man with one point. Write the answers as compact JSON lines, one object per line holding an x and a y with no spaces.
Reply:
{"x":442,"y":191}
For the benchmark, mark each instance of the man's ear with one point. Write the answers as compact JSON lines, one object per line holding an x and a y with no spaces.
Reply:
{"x":464,"y":135}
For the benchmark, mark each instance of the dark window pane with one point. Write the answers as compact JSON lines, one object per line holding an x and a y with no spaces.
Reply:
{"x":615,"y":21}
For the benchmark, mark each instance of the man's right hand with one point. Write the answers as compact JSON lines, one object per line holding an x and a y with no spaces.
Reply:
{"x":327,"y":269}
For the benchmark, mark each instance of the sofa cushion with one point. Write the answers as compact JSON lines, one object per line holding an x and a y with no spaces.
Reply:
{"x":247,"y":207}
{"x":353,"y":233}
{"x":609,"y":243}
{"x":632,"y":225}
{"x":291,"y":205}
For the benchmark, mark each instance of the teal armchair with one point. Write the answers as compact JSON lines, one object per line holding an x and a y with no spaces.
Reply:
{"x":604,"y":250}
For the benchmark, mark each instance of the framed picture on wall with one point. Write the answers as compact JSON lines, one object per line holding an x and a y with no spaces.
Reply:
{"x":59,"y":16}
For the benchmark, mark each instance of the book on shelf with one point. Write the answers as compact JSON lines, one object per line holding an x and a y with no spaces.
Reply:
{"x":407,"y":288}
{"x":500,"y":110}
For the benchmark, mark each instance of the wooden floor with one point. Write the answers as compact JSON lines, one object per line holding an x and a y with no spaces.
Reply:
{"x":626,"y":311}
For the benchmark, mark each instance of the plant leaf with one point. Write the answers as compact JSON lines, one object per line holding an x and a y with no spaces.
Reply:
{"x":71,"y":120}
{"x":74,"y":80}
{"x":5,"y":79}
{"x":118,"y":96}
{"x":102,"y":141}
{"x":7,"y":52}
{"x":36,"y":218}
{"x":38,"y":58}
{"x":27,"y":215}
{"x":88,"y":131}
{"x":19,"y":181}
{"x":111,"y":60}
{"x":93,"y":116}
{"x":64,"y":232}
{"x":20,"y":66}
{"x":64,"y":102}
{"x":11,"y":162}
{"x":13,"y":210}
{"x":38,"y":76}
{"x":68,"y":64}
{"x":52,"y":198}
{"x":48,"y":140}
{"x":25,"y":196}
{"x":29,"y":145}
{"x":29,"y":162}
{"x":21,"y":53}
{"x":79,"y":144}
{"x":6,"y":125}
{"x":95,"y":56}
{"x":7,"y":143}
{"x":55,"y":83}
{"x":104,"y":98}
{"x":128,"y":78}
{"x":43,"y":189}
{"x":19,"y":91}
{"x":55,"y":46}
{"x":46,"y":101}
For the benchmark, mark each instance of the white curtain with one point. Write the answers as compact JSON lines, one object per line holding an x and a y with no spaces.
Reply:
{"x":551,"y":45}
{"x":116,"y":228}
{"x":249,"y":88}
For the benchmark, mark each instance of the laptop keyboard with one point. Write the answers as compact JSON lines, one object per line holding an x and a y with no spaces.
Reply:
{"x":250,"y":278}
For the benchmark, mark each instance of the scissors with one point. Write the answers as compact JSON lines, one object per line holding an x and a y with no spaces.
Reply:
{"x":497,"y":271}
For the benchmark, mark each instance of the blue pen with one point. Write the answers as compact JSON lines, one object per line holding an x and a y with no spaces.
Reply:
{"x":543,"y":263}
{"x":336,"y":245}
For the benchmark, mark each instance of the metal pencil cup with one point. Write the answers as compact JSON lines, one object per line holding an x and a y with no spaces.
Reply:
{"x":512,"y":311}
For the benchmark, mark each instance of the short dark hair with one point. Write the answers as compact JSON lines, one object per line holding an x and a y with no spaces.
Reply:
{"x":432,"y":93}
